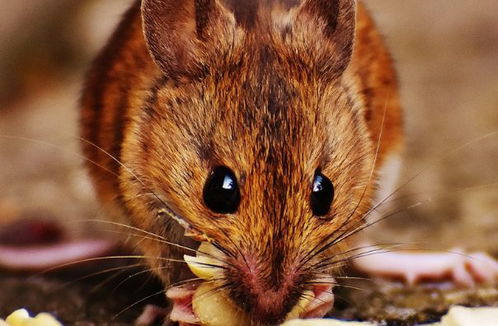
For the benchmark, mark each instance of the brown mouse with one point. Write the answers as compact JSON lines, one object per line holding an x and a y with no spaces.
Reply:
{"x":265,"y":127}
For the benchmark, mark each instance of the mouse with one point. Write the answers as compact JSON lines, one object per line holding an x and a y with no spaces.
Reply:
{"x":270,"y":129}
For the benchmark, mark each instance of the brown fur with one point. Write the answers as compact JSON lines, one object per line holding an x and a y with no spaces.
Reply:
{"x":271,"y":92}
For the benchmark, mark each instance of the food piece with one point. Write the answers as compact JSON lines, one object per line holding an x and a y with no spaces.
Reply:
{"x":51,"y":256}
{"x":465,"y":269}
{"x":213,"y":308}
{"x":21,"y":317}
{"x":457,"y":316}
{"x":301,"y":306}
{"x":191,"y":304}
{"x":203,"y":264}
{"x":324,"y":322}
{"x":18,"y":317}
{"x":462,"y":316}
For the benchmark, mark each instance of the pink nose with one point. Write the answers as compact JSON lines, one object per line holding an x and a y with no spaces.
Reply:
{"x":267,"y":294}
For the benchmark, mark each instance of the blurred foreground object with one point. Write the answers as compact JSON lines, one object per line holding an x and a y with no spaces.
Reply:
{"x":21,"y":317}
{"x":36,"y":245}
{"x":457,"y":316}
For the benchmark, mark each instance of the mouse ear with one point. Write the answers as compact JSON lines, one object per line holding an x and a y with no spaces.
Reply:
{"x":183,"y":35}
{"x":334,"y":22}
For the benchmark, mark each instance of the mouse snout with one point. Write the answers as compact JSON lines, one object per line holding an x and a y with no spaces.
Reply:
{"x":265,"y":289}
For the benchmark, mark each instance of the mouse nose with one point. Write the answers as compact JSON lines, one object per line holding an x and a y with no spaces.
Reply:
{"x":266,"y":291}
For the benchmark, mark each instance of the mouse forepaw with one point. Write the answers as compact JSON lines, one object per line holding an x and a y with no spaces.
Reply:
{"x":461,"y":268}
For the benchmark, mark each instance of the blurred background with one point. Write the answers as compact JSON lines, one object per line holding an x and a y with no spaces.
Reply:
{"x":446,"y":53}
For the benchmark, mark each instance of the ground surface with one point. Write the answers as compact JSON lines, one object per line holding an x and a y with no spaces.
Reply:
{"x":112,"y":298}
{"x":446,"y":53}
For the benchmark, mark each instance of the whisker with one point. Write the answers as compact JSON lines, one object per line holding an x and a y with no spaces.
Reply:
{"x":145,"y":271}
{"x":101,"y":284}
{"x":97,"y":273}
{"x":336,"y":285}
{"x":127,"y":169}
{"x":154,"y":236}
{"x":382,"y":218}
{"x":363,"y":249}
{"x":58,"y":147}
{"x":371,"y":174}
{"x":165,"y":208}
{"x":348,"y":232}
{"x":212,"y":291}
{"x":329,"y":263}
{"x":105,"y":258}
{"x":427,"y":166}
{"x":194,"y":279}
{"x":442,"y":192}
{"x":137,"y":303}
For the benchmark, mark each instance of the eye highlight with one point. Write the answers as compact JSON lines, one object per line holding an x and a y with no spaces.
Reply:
{"x":322,"y":195}
{"x":221,"y":192}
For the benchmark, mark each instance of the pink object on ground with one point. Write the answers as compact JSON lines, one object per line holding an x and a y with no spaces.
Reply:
{"x":464,"y":269}
{"x":40,"y":257}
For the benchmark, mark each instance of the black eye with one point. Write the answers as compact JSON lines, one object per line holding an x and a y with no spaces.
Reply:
{"x":322,"y":195}
{"x":221,"y":192}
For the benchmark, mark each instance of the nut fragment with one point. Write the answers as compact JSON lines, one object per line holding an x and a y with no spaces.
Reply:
{"x":461,"y":316}
{"x":324,"y":322}
{"x":210,"y":305}
{"x":214,"y":308}
{"x":203,"y":265}
{"x":21,"y":317}
{"x":301,"y":306}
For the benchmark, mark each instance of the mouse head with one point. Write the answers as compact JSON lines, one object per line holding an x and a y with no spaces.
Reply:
{"x":252,"y":138}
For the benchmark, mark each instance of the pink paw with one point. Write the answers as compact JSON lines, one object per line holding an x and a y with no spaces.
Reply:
{"x":463,"y":269}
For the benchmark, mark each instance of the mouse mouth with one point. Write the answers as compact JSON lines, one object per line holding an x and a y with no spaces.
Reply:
{"x":181,"y":298}
{"x":207,"y":302}
{"x":183,"y":311}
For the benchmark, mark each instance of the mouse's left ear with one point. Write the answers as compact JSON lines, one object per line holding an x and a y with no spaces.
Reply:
{"x":328,"y":28}
{"x":184,"y":35}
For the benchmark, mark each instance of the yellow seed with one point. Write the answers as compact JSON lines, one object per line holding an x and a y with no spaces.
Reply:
{"x":21,"y":318}
{"x":18,"y":317}
{"x":214,"y":308}
{"x":43,"y":319}
{"x":202,"y":265}
{"x":323,"y":322}
{"x":300,"y":307}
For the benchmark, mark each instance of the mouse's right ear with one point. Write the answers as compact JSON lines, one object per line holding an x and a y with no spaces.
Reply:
{"x":328,"y":29}
{"x":183,"y":35}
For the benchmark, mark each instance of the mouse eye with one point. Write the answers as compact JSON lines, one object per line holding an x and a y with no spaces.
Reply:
{"x":221,"y":191}
{"x":322,"y":195}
